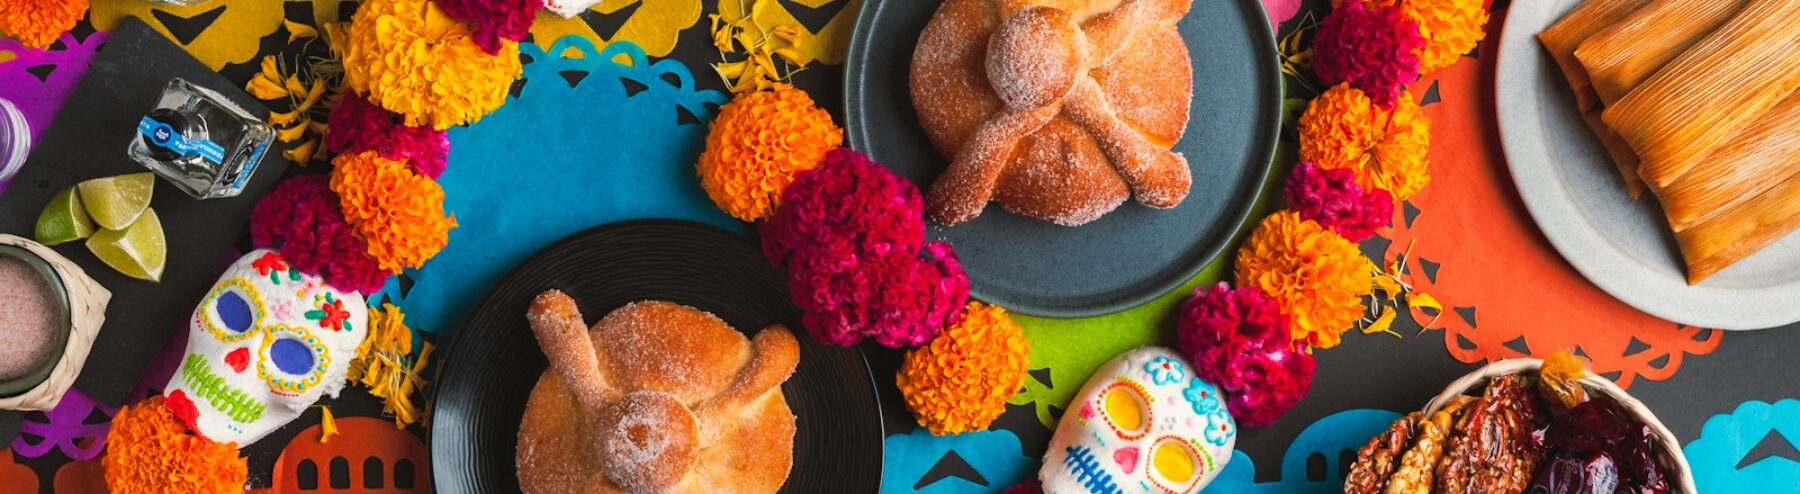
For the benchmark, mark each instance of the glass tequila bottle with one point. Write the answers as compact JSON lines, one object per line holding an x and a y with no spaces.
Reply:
{"x":200,"y":141}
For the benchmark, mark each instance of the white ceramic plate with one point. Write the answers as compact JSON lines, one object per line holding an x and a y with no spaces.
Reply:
{"x":1577,"y":198}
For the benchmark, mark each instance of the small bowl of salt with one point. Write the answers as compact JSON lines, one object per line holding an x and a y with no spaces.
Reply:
{"x":35,"y":320}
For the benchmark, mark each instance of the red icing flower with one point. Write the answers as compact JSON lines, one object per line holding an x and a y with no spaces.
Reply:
{"x":1332,"y":198}
{"x":850,"y":234}
{"x":1239,"y":341}
{"x":301,"y":217}
{"x":334,"y":315}
{"x":357,"y":125}
{"x":1371,"y":48}
{"x":184,"y":409}
{"x":268,"y":263}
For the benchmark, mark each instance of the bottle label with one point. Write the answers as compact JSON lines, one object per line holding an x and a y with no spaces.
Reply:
{"x":164,"y":136}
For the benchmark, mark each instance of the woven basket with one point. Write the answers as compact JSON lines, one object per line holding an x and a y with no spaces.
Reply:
{"x":1681,"y":477}
{"x":87,"y":312}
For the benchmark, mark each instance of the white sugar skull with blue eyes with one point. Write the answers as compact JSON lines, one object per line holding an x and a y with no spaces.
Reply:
{"x":265,"y":343}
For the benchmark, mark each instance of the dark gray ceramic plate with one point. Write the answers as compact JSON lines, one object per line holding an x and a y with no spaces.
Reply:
{"x":1132,"y":254}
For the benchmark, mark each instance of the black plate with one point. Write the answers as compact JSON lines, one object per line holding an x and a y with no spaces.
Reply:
{"x":1134,"y":253}
{"x":493,"y":364}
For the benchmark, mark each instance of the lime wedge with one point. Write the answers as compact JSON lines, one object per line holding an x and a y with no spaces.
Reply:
{"x":137,"y":251}
{"x":116,"y":202}
{"x":63,"y":220}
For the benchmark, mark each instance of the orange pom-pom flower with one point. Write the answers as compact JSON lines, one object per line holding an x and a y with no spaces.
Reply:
{"x":37,"y":23}
{"x":399,"y":213}
{"x":960,"y":382}
{"x":149,"y":451}
{"x":1386,"y":148}
{"x":409,"y":57}
{"x":1318,"y":277}
{"x":758,"y":143}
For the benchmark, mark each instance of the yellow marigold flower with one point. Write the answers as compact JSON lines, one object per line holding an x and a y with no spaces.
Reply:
{"x":149,"y":451}
{"x":385,"y":364}
{"x":1387,"y":149}
{"x":409,"y":57}
{"x":399,"y":213}
{"x":758,"y":143}
{"x":37,"y":23}
{"x":1318,"y":277}
{"x":1450,"y":28}
{"x":960,"y":381}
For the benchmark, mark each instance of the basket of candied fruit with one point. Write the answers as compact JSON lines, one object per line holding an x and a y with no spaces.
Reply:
{"x":1525,"y":425}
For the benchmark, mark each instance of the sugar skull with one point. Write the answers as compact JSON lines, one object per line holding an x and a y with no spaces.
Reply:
{"x":265,"y":343}
{"x":1143,"y":423}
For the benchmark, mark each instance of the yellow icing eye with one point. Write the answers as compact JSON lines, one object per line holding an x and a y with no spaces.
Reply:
{"x":1126,"y":409}
{"x":1175,"y":464}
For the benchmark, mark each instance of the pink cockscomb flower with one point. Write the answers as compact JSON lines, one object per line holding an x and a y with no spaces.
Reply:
{"x":300,"y":218}
{"x":1373,"y":49}
{"x":490,"y":21}
{"x":1239,"y":340}
{"x":850,"y":234}
{"x":1332,"y":198}
{"x":357,"y":125}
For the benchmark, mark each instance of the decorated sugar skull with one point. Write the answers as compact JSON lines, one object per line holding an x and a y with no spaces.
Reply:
{"x":1143,"y":423}
{"x":265,"y":343}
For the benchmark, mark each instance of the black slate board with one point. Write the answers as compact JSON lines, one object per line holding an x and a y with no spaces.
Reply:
{"x":492,"y":365}
{"x":88,"y":140}
{"x":1132,"y":254}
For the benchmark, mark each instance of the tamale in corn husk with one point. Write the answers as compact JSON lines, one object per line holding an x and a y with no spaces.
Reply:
{"x":1582,"y":22}
{"x":1619,"y":58}
{"x":1712,"y":91}
{"x":1736,"y":233}
{"x":1561,"y":40}
{"x":1746,"y":165}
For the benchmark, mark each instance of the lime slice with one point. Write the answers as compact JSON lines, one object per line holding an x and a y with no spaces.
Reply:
{"x":63,"y":220}
{"x":116,"y":202}
{"x":137,"y":251}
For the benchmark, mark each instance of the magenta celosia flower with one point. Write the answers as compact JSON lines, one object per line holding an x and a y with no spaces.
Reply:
{"x":300,"y":218}
{"x":491,"y":20}
{"x":1239,"y":341}
{"x":1332,"y":198}
{"x":850,"y":234}
{"x":1371,"y":48}
{"x":357,"y":125}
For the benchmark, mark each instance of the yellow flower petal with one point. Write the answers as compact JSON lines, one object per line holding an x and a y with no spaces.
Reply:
{"x":297,"y":31}
{"x":265,"y":88}
{"x":1382,"y":323}
{"x":327,"y":424}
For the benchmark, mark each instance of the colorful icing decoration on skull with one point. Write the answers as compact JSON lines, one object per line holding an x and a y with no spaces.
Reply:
{"x":265,"y":343}
{"x":1144,"y":424}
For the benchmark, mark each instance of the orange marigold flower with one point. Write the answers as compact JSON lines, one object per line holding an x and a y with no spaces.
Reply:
{"x":1450,"y":28}
{"x":37,"y":23}
{"x":1343,"y":128}
{"x":398,"y":212}
{"x":756,"y":146}
{"x":961,"y":380}
{"x":149,"y":451}
{"x":1318,"y":277}
{"x":409,"y":57}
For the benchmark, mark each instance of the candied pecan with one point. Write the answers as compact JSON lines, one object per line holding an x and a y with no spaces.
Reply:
{"x":1414,"y":475}
{"x":1491,"y":451}
{"x":1375,"y":461}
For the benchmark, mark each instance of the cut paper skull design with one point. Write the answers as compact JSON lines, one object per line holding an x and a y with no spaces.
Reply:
{"x":1143,"y":423}
{"x":265,"y":343}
